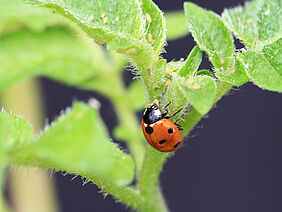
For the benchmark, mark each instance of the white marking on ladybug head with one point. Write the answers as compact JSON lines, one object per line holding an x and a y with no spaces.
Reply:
{"x":157,"y":113}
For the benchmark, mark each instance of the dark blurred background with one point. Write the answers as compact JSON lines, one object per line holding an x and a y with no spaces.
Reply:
{"x":230,"y":162}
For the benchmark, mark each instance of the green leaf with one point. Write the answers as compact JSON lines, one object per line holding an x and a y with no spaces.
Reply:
{"x":273,"y":54}
{"x":265,"y":69}
{"x":211,"y":35}
{"x":104,"y":20}
{"x":257,"y":23}
{"x":270,"y":21}
{"x":17,"y":131}
{"x":199,"y":91}
{"x":14,"y":15}
{"x":205,"y":72}
{"x":77,"y":142}
{"x":192,"y":63}
{"x":155,"y":25}
{"x":120,"y":23}
{"x":139,"y":53}
{"x":174,"y":66}
{"x":235,"y":76}
{"x":55,"y":53}
{"x":176,"y":26}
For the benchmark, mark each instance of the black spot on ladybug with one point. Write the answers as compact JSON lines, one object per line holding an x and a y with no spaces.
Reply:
{"x":162,"y":141}
{"x":149,"y":130}
{"x":177,"y":144}
{"x":170,"y":130}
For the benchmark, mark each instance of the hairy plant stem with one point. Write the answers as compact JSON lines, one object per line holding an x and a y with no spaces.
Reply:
{"x":133,"y":197}
{"x":154,"y":160}
{"x":148,"y":183}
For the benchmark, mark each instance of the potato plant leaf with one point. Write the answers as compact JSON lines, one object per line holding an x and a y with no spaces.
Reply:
{"x":192,"y":63}
{"x":236,"y":75}
{"x":211,"y":35}
{"x":121,"y":24}
{"x":17,"y":131}
{"x":155,"y":25}
{"x":273,"y":54}
{"x":78,"y":143}
{"x":257,"y":23}
{"x":264,"y":69}
{"x":199,"y":92}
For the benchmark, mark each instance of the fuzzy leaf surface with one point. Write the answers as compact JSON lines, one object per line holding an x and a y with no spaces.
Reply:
{"x":78,"y":143}
{"x":192,"y":63}
{"x":121,"y":24}
{"x":155,"y":25}
{"x":158,"y":73}
{"x":273,"y":54}
{"x":264,"y":69}
{"x":17,"y":131}
{"x":257,"y":23}
{"x":211,"y":35}
{"x":199,"y":92}
{"x":235,"y":76}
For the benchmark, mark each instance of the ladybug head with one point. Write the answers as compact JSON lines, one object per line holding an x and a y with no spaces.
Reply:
{"x":152,"y":114}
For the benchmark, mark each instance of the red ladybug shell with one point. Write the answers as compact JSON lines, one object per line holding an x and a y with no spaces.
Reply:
{"x":165,"y":135}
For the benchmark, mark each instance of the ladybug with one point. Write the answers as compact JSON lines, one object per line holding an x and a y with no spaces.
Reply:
{"x":159,"y":131}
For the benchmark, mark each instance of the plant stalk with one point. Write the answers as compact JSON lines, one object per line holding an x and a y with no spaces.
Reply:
{"x":154,"y":160}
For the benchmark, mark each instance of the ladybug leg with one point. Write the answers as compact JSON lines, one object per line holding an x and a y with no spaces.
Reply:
{"x":165,"y":109}
{"x":168,"y":117}
{"x":176,"y":123}
{"x":165,"y":113}
{"x":177,"y":120}
{"x":178,"y":126}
